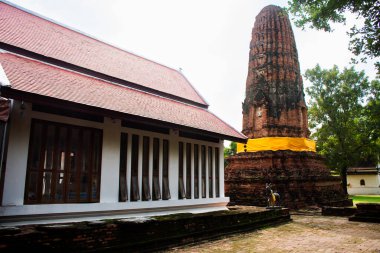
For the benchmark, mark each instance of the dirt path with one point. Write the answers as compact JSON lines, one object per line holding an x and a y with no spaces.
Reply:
{"x":305,"y":233}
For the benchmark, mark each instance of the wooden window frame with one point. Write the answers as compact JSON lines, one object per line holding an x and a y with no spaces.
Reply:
{"x":196,"y":171}
{"x":188,"y":170}
{"x":181,"y":186}
{"x":156,"y":189}
{"x":217,"y":173}
{"x":165,"y":170}
{"x":145,"y":169}
{"x":203,"y":171}
{"x":88,"y":167}
{"x":210,"y":173}
{"x":123,"y":186}
{"x":135,"y":190}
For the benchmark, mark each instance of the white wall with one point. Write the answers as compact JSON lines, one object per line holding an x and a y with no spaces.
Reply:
{"x":13,"y":195}
{"x":371,"y":187}
{"x":109,"y":188}
{"x":14,"y":182}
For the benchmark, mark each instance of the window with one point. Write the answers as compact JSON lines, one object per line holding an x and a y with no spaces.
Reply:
{"x":135,"y":193}
{"x":203,"y":168}
{"x":217,"y":184}
{"x":156,"y":170}
{"x":362,"y":182}
{"x":181,"y":187}
{"x":210,"y":174}
{"x":149,"y":170}
{"x":123,"y":189}
{"x":196,"y":171}
{"x":165,"y":170}
{"x":145,"y":170}
{"x":63,"y":164}
{"x":188,"y":170}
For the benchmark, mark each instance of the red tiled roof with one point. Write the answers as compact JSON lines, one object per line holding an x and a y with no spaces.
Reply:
{"x":27,"y":31}
{"x":39,"y":78}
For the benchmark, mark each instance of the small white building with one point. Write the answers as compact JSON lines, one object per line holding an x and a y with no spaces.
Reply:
{"x":363,"y":181}
{"x":90,"y":130}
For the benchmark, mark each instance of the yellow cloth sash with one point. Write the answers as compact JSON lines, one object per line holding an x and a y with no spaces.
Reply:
{"x":277,"y":143}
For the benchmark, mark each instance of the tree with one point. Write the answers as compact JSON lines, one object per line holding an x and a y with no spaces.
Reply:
{"x":318,"y":14}
{"x":344,"y":114}
{"x":228,"y":151}
{"x":231,"y":150}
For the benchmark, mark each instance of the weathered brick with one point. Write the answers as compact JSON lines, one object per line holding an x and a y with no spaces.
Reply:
{"x":275,"y":106}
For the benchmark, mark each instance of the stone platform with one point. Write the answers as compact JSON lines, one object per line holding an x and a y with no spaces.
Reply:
{"x":309,"y":232}
{"x":137,"y":234}
{"x":367,"y":212}
{"x":301,"y":178}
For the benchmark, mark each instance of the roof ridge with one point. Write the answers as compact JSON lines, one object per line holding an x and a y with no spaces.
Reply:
{"x":85,"y":34}
{"x":216,"y":116}
{"x":196,"y":90}
{"x":101,"y":79}
{"x":111,"y":45}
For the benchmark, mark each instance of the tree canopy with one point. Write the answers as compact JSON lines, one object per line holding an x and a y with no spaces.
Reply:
{"x":318,"y":14}
{"x":344,"y":114}
{"x":229,"y":151}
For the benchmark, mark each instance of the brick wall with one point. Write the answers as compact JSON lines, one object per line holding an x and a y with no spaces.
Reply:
{"x":141,"y":234}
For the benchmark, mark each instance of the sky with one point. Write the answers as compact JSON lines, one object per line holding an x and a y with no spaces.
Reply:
{"x":207,"y":39}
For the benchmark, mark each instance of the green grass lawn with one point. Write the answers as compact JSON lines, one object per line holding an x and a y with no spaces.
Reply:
{"x":365,"y":199}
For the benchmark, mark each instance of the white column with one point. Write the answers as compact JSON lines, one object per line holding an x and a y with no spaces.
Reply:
{"x":173,"y":164}
{"x":19,"y":131}
{"x":221,"y":168}
{"x":109,"y":190}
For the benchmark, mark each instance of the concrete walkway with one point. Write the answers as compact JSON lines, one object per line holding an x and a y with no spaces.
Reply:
{"x":305,"y":233}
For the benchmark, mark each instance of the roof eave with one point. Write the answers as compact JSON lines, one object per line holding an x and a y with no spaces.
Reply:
{"x":8,"y":92}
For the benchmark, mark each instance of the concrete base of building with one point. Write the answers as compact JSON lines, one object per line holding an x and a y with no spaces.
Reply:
{"x":144,"y":234}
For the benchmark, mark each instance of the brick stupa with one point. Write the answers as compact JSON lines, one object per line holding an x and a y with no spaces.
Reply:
{"x":275,"y":107}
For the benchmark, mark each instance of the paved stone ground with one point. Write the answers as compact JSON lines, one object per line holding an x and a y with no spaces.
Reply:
{"x":305,"y":233}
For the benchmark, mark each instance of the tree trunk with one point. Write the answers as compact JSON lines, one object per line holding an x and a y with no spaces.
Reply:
{"x":343,"y":175}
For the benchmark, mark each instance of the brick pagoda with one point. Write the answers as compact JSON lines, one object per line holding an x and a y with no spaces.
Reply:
{"x":275,"y":121}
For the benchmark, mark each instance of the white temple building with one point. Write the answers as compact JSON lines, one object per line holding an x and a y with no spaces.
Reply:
{"x":89,"y":130}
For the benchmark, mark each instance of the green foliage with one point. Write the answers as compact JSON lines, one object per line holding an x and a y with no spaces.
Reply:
{"x":231,"y":150}
{"x":318,"y":14}
{"x":365,"y":199}
{"x":228,"y":151}
{"x":344,"y":114}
